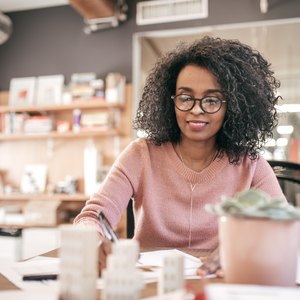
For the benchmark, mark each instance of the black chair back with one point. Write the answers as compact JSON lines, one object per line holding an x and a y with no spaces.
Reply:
{"x":130,"y":220}
{"x":288,"y":175}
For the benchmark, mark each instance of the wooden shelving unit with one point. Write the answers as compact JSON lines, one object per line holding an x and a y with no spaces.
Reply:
{"x":62,"y":152}
{"x":51,"y":197}
{"x":59,"y":135}
{"x":66,"y":110}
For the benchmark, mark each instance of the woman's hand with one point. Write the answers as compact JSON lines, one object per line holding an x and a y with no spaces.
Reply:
{"x":104,"y":250}
{"x":211,"y":265}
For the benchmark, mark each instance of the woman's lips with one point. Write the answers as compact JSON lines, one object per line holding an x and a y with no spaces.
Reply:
{"x":197,"y":125}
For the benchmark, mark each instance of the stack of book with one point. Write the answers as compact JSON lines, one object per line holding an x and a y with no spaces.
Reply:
{"x":38,"y":124}
{"x":13,"y":122}
{"x":95,"y":121}
{"x":86,"y":86}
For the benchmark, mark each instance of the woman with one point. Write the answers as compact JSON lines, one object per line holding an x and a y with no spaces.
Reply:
{"x":206,"y":110}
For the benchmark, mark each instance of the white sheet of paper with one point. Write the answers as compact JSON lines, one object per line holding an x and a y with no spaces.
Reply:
{"x":250,"y":292}
{"x":38,"y":265}
{"x":28,"y":295}
{"x":155,"y":259}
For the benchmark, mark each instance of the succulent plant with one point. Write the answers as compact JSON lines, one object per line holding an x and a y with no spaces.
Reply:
{"x":255,"y":203}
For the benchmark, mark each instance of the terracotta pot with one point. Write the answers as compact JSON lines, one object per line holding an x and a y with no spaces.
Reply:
{"x":259,"y":251}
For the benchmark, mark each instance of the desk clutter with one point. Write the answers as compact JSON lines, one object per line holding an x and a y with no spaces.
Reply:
{"x":128,"y":275}
{"x":124,"y":278}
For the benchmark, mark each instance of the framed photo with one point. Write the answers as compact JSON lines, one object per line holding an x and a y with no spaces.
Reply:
{"x":21,"y":91}
{"x":49,"y":89}
{"x":34,"y":179}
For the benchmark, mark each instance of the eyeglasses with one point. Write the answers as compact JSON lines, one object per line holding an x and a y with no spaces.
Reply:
{"x":209,"y":104}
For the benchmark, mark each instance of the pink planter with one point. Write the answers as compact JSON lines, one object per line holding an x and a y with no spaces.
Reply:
{"x":259,"y":251}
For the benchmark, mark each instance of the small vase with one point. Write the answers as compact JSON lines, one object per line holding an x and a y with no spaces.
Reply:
{"x":259,"y":251}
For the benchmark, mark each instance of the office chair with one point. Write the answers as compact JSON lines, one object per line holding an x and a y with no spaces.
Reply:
{"x":130,"y":220}
{"x":288,"y":175}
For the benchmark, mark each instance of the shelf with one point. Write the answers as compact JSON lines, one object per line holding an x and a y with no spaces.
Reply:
{"x":81,"y":104}
{"x":58,"y":135}
{"x":50,"y":197}
{"x":47,"y":208}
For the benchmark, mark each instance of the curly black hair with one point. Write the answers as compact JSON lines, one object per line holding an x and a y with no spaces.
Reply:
{"x":246,"y":80}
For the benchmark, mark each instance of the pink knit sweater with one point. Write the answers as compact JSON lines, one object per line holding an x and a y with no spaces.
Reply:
{"x":169,"y":198}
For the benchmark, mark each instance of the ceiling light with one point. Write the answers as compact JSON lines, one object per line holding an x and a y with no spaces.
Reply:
{"x":282,"y":142}
{"x":288,"y":108}
{"x":285,"y":129}
{"x":270,"y":143}
{"x":264,"y":6}
{"x":5,"y":28}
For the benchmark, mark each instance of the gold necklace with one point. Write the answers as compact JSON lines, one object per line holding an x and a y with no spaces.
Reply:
{"x":211,"y":160}
{"x":192,"y":187}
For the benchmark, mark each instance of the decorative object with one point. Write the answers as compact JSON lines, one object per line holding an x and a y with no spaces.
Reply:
{"x":34,"y":179}
{"x":76,"y":119}
{"x":49,"y":89}
{"x":259,"y":239}
{"x":92,"y":163}
{"x":115,"y":88}
{"x":21,"y":91}
{"x":63,"y":126}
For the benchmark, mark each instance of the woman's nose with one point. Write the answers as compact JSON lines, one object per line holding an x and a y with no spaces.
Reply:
{"x":197,"y":108}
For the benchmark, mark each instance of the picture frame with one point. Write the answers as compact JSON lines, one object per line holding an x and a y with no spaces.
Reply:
{"x":34,"y":179}
{"x":49,"y":89}
{"x":22,"y":91}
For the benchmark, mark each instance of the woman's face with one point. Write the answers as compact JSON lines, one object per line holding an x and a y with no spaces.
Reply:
{"x":196,"y":124}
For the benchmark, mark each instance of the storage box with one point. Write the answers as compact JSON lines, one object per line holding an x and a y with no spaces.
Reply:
{"x":41,"y":212}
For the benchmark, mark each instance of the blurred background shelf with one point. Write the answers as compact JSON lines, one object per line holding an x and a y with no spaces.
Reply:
{"x":81,"y":104}
{"x":59,"y":135}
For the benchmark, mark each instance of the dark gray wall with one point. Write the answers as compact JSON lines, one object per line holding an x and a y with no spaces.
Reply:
{"x":51,"y":40}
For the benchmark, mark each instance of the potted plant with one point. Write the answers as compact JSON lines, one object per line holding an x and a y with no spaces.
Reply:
{"x":259,"y":238}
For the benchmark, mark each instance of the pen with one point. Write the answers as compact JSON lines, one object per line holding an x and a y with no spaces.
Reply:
{"x":107,"y":230}
{"x":40,"y":277}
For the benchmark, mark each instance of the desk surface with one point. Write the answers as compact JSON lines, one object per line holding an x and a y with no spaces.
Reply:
{"x":149,"y":290}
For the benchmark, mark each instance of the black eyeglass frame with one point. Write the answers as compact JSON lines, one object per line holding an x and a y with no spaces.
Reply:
{"x":200,"y":101}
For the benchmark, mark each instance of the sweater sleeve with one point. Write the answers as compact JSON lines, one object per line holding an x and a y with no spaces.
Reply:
{"x":115,"y":191}
{"x":265,"y":178}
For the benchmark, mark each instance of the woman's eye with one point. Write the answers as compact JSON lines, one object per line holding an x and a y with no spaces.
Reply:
{"x":185,"y":98}
{"x":212,"y":101}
